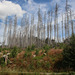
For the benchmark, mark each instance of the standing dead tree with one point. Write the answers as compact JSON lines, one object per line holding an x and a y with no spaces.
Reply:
{"x":44,"y":26}
{"x":10,"y":33}
{"x":48,"y":26}
{"x":39,"y":28}
{"x":71,"y":22}
{"x":51,"y":25}
{"x":5,"y":32}
{"x":14,"y":31}
{"x":31,"y":30}
{"x":56,"y":17}
{"x":62,"y":27}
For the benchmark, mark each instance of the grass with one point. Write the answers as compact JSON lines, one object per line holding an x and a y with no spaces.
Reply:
{"x":35,"y":73}
{"x":38,"y":57}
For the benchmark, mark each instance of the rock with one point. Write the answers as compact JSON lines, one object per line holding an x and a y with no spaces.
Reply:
{"x":6,"y":58}
{"x":8,"y":54}
{"x":44,"y":54}
{"x":34,"y":55}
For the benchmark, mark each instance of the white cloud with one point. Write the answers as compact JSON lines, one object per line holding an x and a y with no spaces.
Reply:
{"x":7,"y":8}
{"x":30,"y":1}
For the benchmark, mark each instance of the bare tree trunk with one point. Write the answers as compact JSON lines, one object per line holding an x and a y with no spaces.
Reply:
{"x":71,"y":22}
{"x":48,"y":26}
{"x":5,"y":30}
{"x":44,"y":26}
{"x":32,"y":24}
{"x":62,"y":27}
{"x":39,"y":27}
{"x":51,"y":26}
{"x":9,"y":33}
{"x":14,"y":31}
{"x":65,"y":26}
{"x":56,"y":15}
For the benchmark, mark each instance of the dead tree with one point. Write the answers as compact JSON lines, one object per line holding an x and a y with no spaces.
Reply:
{"x":5,"y":32}
{"x":48,"y":25}
{"x":56,"y":16}
{"x":55,"y":25}
{"x":65,"y":26}
{"x":31,"y":29}
{"x":10,"y":33}
{"x":62,"y":26}
{"x":67,"y":18}
{"x":44,"y":26}
{"x":39,"y":28}
{"x":71,"y":22}
{"x":51,"y":26}
{"x":14,"y":31}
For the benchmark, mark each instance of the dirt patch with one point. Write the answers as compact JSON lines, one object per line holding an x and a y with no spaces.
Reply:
{"x":20,"y":55}
{"x":55,"y":51}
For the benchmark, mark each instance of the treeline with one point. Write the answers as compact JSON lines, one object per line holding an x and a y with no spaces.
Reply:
{"x":47,"y":30}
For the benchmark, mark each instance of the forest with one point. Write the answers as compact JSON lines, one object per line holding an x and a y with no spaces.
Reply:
{"x":47,"y":30}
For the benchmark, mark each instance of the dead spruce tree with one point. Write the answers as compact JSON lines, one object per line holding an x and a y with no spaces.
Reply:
{"x":39,"y":27}
{"x":5,"y":33}
{"x":14,"y":31}
{"x":56,"y":17}
{"x":72,"y":29}
{"x":31,"y":30}
{"x":62,"y":28}
{"x":10,"y":33}
{"x":67,"y":19}
{"x":48,"y":26}
{"x":51,"y":25}
{"x":44,"y":26}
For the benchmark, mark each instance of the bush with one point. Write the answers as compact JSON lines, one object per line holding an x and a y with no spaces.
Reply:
{"x":25,"y":55}
{"x":46,"y":47}
{"x":38,"y":58}
{"x":0,"y":49}
{"x":14,"y":52}
{"x":47,"y":65}
{"x":38,"y":64}
{"x":31,"y":66}
{"x":29,"y":48}
{"x":29,"y":54}
{"x":32,"y":47}
{"x":69,"y":54}
{"x":37,"y":52}
{"x":2,"y":62}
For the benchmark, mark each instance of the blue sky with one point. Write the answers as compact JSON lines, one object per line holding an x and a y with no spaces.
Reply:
{"x":31,"y":6}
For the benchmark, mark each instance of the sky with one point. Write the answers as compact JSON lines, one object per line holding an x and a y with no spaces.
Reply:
{"x":20,"y":7}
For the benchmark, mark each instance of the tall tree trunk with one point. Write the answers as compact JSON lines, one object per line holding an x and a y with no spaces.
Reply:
{"x":5,"y":32}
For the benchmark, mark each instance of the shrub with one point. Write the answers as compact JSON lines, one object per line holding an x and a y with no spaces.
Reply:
{"x":14,"y":52}
{"x":32,"y":47}
{"x":46,"y":47}
{"x":38,"y":58}
{"x":29,"y":54}
{"x":0,"y":49}
{"x":47,"y":65}
{"x":37,"y":52}
{"x":2,"y":62}
{"x":25,"y":55}
{"x":38,"y":64}
{"x":28,"y":48}
{"x":31,"y":66}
